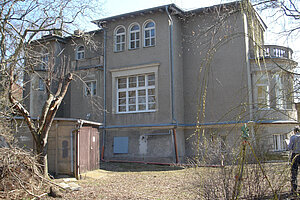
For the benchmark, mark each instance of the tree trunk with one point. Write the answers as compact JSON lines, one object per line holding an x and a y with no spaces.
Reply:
{"x":42,"y":152}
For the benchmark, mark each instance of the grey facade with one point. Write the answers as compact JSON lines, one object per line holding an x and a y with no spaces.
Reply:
{"x":161,"y":78}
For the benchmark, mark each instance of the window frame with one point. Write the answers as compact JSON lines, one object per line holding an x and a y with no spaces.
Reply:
{"x":266,"y":88}
{"x":44,"y":61}
{"x":137,"y":97}
{"x":135,"y":40}
{"x":80,"y":54}
{"x":90,"y":90}
{"x":133,"y":71}
{"x":150,"y":37}
{"x":279,"y":142}
{"x":41,"y":85}
{"x":121,"y":35}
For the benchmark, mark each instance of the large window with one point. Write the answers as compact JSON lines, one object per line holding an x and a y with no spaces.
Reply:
{"x":279,"y":142}
{"x":90,"y":88}
{"x":263,"y":93}
{"x":120,"y":39}
{"x":80,"y":53}
{"x":149,"y":34}
{"x":136,"y":93}
{"x":279,"y":92}
{"x":134,"y":37}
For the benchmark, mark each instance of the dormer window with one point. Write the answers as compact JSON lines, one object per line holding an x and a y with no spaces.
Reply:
{"x":80,"y":53}
{"x":120,"y":39}
{"x":149,"y":34}
{"x":134,"y":36}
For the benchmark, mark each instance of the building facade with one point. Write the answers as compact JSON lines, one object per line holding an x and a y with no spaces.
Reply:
{"x":169,"y":85}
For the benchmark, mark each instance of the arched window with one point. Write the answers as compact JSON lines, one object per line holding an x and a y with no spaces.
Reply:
{"x":149,"y":34}
{"x":134,"y":36}
{"x":80,"y":53}
{"x":120,"y":39}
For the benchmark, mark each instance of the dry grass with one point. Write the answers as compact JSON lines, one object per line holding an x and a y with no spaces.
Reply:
{"x":138,"y":181}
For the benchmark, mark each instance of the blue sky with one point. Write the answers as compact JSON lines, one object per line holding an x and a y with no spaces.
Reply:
{"x":116,"y":7}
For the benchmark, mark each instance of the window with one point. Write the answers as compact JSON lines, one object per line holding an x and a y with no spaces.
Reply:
{"x":263,"y":96}
{"x":134,"y":37}
{"x":41,"y":85}
{"x":90,"y":88}
{"x":136,"y":93}
{"x":44,"y":62}
{"x":279,"y":92}
{"x":279,"y":142}
{"x":149,"y":34}
{"x":120,"y":39}
{"x":80,"y":53}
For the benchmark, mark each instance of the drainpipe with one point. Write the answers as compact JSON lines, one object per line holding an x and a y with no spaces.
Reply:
{"x":250,"y":89}
{"x":171,"y":57}
{"x":102,"y":26}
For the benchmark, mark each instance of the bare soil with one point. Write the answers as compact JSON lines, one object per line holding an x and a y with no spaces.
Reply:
{"x":133,"y":181}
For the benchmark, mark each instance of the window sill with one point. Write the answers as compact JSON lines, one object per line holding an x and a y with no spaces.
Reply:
{"x":149,"y":46}
{"x":136,"y":112}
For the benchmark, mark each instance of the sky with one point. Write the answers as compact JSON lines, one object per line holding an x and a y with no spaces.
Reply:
{"x":116,"y":7}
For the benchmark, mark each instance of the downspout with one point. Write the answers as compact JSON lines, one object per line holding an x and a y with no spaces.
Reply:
{"x":171,"y":57}
{"x":102,"y":26}
{"x":78,"y":150}
{"x":250,"y":88}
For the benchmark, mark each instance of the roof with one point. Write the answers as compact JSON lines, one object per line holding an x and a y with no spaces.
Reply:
{"x":173,"y":7}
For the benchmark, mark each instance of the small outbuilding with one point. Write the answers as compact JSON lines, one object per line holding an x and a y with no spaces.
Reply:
{"x":73,"y":145}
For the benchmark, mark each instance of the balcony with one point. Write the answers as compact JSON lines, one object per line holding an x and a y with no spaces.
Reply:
{"x":275,"y":51}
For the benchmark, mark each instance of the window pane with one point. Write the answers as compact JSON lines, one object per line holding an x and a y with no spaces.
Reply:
{"x":137,"y":36}
{"x":149,"y":24}
{"x":141,"y":81}
{"x":122,"y":108}
{"x":132,"y":100}
{"x":152,"y":41}
{"x":142,"y":107}
{"x":132,"y":45}
{"x":122,"y":83}
{"x":132,"y":108}
{"x":147,"y":34}
{"x":142,"y":93}
{"x":142,"y":99}
{"x":151,"y":99}
{"x":151,"y":91}
{"x":135,"y":28}
{"x":137,"y":43}
{"x":122,"y":94}
{"x":151,"y":106}
{"x":132,"y":36}
{"x":121,"y":30}
{"x":151,"y":79}
{"x":152,"y":32}
{"x":132,"y":82}
{"x":131,"y":93}
{"x":122,"y":101}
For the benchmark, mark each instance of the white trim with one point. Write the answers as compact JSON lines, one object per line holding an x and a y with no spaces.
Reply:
{"x":121,"y":43}
{"x":150,"y":37}
{"x":135,"y":32}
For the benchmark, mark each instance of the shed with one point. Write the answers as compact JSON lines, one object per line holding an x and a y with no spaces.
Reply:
{"x":73,"y":145}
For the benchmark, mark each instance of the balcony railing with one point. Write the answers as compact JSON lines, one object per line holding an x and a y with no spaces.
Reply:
{"x":275,"y":51}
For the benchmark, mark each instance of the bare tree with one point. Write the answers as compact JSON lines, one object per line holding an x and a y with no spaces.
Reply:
{"x":22,"y":23}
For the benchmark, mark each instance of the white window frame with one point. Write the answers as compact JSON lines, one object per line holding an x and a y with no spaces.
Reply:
{"x":80,"y":53}
{"x":136,"y":39}
{"x":90,"y":88}
{"x":129,"y":72}
{"x":266,"y":88}
{"x":279,"y":143}
{"x":150,"y":38}
{"x":119,"y":45}
{"x":137,"y":102}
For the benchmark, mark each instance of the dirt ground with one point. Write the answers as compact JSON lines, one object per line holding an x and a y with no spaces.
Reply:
{"x":133,"y":181}
{"x":140,"y":181}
